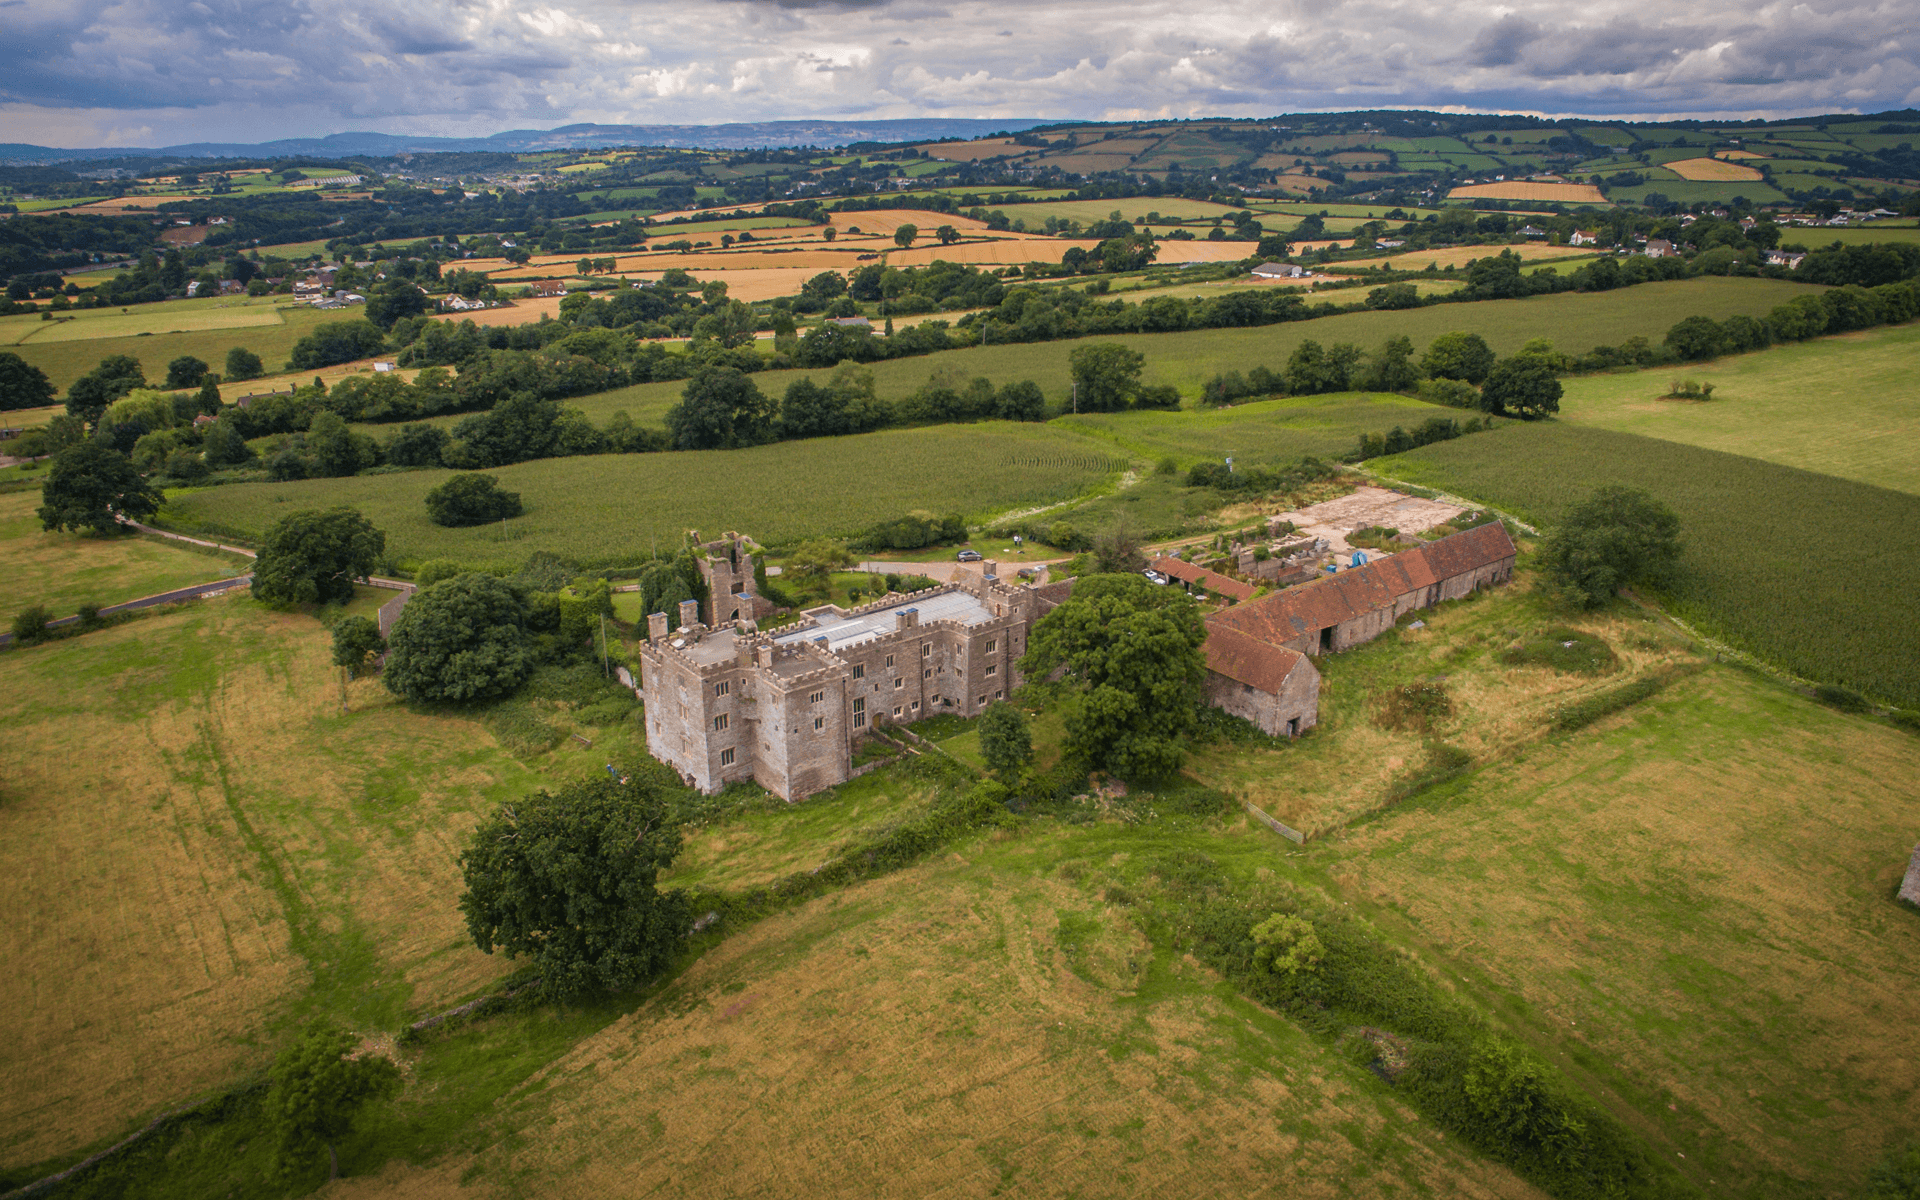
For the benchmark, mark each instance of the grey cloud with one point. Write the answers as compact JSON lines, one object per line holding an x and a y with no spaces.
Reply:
{"x":1500,"y":43}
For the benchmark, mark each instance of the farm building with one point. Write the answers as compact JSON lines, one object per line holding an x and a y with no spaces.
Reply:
{"x":1278,"y":270}
{"x":1274,"y":688}
{"x":1212,"y":583}
{"x":1342,"y":610}
{"x":548,"y":287}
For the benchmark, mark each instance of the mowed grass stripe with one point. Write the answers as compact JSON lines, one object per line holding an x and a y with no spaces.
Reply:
{"x":1809,"y":571}
{"x":612,"y":508}
{"x":1847,"y":406}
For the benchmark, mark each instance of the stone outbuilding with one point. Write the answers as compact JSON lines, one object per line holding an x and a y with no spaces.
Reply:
{"x":1274,"y":688}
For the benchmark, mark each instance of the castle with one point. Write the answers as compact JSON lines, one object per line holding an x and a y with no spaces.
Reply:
{"x":727,"y":702}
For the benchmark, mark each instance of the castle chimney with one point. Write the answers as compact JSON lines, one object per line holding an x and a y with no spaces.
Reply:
{"x":991,"y":567}
{"x":656,"y":627}
{"x":689,"y":613}
{"x":906,"y":618}
{"x":765,"y":654}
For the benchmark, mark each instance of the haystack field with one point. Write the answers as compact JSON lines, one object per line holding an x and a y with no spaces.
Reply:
{"x":969,"y":1028}
{"x":1566,"y":193}
{"x":1712,"y":169}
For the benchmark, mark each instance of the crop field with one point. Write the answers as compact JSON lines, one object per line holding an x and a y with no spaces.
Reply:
{"x":1799,"y":568}
{"x":65,"y":570}
{"x":609,"y":508}
{"x":1697,"y":896}
{"x":65,"y":361}
{"x":1711,"y":168}
{"x":1684,"y":191}
{"x":973,"y":1026}
{"x":245,"y":858}
{"x":1260,"y":432}
{"x":1868,"y":235}
{"x":85,"y":326}
{"x":1566,"y":193}
{"x":1783,"y":404}
{"x":1460,"y":256}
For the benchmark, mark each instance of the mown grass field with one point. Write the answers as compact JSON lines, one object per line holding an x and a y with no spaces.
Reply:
{"x":1847,"y":405}
{"x":1696,"y":899}
{"x":1575,"y":322}
{"x":610,"y":508}
{"x":1804,"y":570}
{"x":66,"y":361}
{"x":181,"y":316}
{"x":66,"y":570}
{"x":1258,"y":432}
{"x":201,"y":852}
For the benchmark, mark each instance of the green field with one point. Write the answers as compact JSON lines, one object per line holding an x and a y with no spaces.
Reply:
{"x":66,"y":361}
{"x":1847,"y":406}
{"x":610,"y":508}
{"x":1806,"y":571}
{"x":1820,"y":237}
{"x":1573,"y":321}
{"x":65,"y":570}
{"x":188,"y":316}
{"x":1260,"y":432}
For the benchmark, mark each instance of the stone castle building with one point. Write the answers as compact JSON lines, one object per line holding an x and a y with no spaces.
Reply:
{"x":726,"y":702}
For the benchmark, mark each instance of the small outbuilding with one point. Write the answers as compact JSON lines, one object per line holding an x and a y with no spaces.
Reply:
{"x":1274,"y":688}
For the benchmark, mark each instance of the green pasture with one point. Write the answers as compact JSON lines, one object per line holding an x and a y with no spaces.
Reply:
{"x":65,"y":570}
{"x":1821,"y":236}
{"x":66,"y":360}
{"x":1263,"y":431}
{"x":1802,"y":569}
{"x":1847,"y":406}
{"x":294,"y":250}
{"x":672,"y":232}
{"x":609,"y":509}
{"x":85,"y":325}
{"x":1573,"y":321}
{"x":1696,"y":191}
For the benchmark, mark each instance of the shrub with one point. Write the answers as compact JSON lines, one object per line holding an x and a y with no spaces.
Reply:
{"x":1844,"y":699}
{"x":30,"y":625}
{"x":1414,"y":706}
{"x":471,"y":499}
{"x":434,"y":570}
{"x":90,"y":616}
{"x":1585,"y":711}
{"x":1563,"y":650}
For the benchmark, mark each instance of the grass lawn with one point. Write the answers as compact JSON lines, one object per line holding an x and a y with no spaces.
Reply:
{"x":66,"y":361}
{"x":66,"y":570}
{"x":604,"y":509}
{"x":1695,"y":898}
{"x":1847,"y":405}
{"x":202,"y":852}
{"x":1805,"y":570}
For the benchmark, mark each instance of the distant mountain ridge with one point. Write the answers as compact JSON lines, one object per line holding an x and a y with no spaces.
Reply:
{"x":756,"y":135}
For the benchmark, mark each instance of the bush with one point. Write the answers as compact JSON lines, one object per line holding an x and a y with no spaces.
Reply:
{"x":1844,"y":699}
{"x":1413,"y":706}
{"x":471,"y":499}
{"x":1583,"y":712}
{"x":30,"y":625}
{"x":1563,"y":650}
{"x":90,"y":616}
{"x":434,"y":570}
{"x":463,"y":639}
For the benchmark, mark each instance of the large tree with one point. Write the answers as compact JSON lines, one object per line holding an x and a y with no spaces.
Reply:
{"x":355,"y":641}
{"x":569,"y":879}
{"x":1105,"y":375}
{"x":1458,"y":356}
{"x":184,"y":372}
{"x":720,"y":408}
{"x":1523,"y":385}
{"x":313,"y":556}
{"x":90,"y":486}
{"x":1612,"y":538}
{"x":1005,"y":742}
{"x":1134,"y":650}
{"x":471,"y":499}
{"x":90,"y":394}
{"x":462,"y":639}
{"x":317,"y":1091}
{"x":22,"y":385}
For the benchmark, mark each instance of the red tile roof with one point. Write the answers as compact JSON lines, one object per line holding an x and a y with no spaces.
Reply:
{"x":1218,"y":584}
{"x":1248,"y":660}
{"x":1333,"y":599}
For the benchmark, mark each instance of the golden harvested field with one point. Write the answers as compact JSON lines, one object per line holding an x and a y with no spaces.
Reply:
{"x":1300,"y":183}
{"x":244,"y":857}
{"x":975,"y":151}
{"x":1566,"y":193}
{"x":1712,"y":169}
{"x":1460,"y":256}
{"x":968,"y":1028}
{"x":1699,"y":893}
{"x":520,"y":312}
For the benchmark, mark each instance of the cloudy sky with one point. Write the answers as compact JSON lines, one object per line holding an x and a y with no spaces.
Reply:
{"x":156,"y":72}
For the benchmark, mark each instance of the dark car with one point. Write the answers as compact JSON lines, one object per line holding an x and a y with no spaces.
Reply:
{"x":969,"y":556}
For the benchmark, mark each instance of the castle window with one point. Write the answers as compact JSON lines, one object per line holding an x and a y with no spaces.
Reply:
{"x":889,"y":660}
{"x":859,"y":720}
{"x":926,"y":650}
{"x":816,"y":698}
{"x":915,"y":706}
{"x":726,"y":757}
{"x":819,"y":722}
{"x":859,"y":670}
{"x":927,"y":674}
{"x":898,"y":684}
{"x":722,"y":688}
{"x":720,"y":723}
{"x":990,"y":646}
{"x":999,"y":695}
{"x":859,"y":706}
{"x":896,"y":712}
{"x":991,"y":668}
{"x":983,"y":699}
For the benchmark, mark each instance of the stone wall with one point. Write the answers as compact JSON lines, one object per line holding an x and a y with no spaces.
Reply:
{"x":1297,"y":700}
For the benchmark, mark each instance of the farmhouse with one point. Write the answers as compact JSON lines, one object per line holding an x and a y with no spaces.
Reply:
{"x":1582,"y":237}
{"x":1659,"y":248}
{"x":548,"y":287}
{"x":1343,"y":610}
{"x":727,"y":702}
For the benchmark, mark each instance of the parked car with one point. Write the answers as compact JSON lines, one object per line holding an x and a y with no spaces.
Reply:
{"x":1155,"y":577}
{"x":969,"y":556}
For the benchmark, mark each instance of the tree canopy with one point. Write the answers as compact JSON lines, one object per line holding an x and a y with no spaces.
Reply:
{"x":1523,"y":385}
{"x":1458,"y":356}
{"x":355,"y":641}
{"x":462,"y":639}
{"x":89,"y":484}
{"x":1107,"y":375}
{"x":22,"y":385}
{"x":313,"y":556}
{"x":569,"y":879}
{"x":1612,"y":538}
{"x":471,"y":499}
{"x":1005,"y":741}
{"x":89,"y":395}
{"x":317,"y":1091}
{"x":1135,"y":650}
{"x":721,"y":408}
